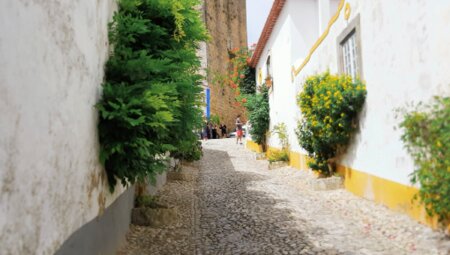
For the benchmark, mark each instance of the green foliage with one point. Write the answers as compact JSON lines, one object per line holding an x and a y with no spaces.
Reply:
{"x":190,"y":152}
{"x":146,"y":201}
{"x":282,"y":155}
{"x":241,"y":77}
{"x":248,"y":84}
{"x":426,"y":134}
{"x":215,"y":119}
{"x":152,"y":93}
{"x":329,"y":105}
{"x":258,"y":114}
{"x":281,"y":131}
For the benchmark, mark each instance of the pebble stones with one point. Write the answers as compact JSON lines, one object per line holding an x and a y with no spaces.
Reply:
{"x":231,"y":204}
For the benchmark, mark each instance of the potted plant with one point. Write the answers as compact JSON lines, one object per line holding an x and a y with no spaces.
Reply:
{"x":269,"y":81}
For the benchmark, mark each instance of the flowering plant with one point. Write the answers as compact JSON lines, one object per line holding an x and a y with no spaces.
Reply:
{"x":329,"y":105}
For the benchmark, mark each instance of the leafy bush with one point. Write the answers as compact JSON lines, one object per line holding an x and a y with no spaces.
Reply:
{"x":282,"y":155}
{"x":281,"y":131}
{"x":258,"y":113}
{"x":152,"y":93}
{"x":329,"y":105}
{"x":427,"y":138}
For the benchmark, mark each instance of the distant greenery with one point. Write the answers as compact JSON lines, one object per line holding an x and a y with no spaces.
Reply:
{"x":329,"y":105}
{"x":283,"y":155}
{"x":151,"y":94}
{"x":426,"y":134}
{"x":258,"y":114}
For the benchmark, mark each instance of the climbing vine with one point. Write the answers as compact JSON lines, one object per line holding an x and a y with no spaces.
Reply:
{"x":426,"y":135}
{"x":152,"y":95}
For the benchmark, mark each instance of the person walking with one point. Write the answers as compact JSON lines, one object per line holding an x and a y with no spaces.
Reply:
{"x":239,"y":132}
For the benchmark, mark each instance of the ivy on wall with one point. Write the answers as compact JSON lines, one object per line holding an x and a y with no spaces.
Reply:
{"x":151,"y":94}
{"x":426,"y":135}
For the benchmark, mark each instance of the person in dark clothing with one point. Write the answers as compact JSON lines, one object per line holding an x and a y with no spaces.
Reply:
{"x":224,"y":130}
{"x":214,"y":132}
{"x":208,"y":130}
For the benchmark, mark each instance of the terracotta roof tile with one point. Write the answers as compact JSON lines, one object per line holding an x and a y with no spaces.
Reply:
{"x":267,"y":30}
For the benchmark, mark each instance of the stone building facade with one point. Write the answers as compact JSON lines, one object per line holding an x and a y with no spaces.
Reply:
{"x":227,"y":26}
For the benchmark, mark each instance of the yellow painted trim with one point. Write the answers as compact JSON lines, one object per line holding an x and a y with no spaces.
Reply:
{"x":296,"y":71}
{"x":253,"y":146}
{"x":347,"y":11}
{"x":396,"y":196}
{"x":259,"y":76}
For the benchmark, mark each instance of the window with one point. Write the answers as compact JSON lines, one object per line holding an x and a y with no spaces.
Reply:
{"x":268,"y":68}
{"x":350,"y":61}
{"x":349,"y":50}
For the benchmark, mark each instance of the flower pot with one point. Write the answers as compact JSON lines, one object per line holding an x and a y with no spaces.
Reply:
{"x":269,"y":82}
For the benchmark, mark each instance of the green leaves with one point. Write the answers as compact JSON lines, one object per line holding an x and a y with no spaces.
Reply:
{"x":258,"y":113}
{"x":152,"y":90}
{"x":329,"y":105}
{"x":426,"y":134}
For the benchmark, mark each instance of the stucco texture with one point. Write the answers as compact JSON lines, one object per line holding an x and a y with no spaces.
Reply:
{"x":51,"y":181}
{"x":404,"y":51}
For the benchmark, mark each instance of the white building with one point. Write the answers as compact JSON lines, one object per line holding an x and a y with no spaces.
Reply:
{"x":401,"y":49}
{"x":54,"y":195}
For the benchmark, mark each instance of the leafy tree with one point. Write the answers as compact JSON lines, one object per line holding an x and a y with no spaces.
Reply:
{"x":152,"y":94}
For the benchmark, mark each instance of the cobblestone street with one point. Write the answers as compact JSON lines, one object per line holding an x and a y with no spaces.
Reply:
{"x":229,"y":203}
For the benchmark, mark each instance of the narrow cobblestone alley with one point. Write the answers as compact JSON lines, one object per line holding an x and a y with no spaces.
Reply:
{"x":234,"y":205}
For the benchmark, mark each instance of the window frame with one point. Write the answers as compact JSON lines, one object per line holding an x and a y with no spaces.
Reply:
{"x":353,"y":28}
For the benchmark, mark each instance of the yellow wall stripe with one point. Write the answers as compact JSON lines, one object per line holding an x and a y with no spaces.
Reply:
{"x":295,"y":71}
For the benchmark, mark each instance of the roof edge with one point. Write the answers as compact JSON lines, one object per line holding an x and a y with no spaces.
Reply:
{"x":267,"y":31}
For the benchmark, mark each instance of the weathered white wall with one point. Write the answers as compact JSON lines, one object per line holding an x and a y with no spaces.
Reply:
{"x":52,"y":55}
{"x":287,"y":43}
{"x":405,"y":52}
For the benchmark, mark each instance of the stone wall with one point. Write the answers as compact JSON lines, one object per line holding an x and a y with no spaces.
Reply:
{"x":227,"y":26}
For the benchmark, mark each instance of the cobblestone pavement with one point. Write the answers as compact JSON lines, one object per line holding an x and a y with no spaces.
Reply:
{"x":234,"y":205}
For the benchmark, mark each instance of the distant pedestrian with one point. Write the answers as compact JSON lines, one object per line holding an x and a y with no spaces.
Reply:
{"x":214,"y":132}
{"x":209,"y":130}
{"x":239,"y":132}
{"x":224,"y":130}
{"x":205,"y":132}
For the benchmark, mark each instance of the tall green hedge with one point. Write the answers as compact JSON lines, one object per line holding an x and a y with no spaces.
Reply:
{"x":151,"y":94}
{"x":259,"y":115}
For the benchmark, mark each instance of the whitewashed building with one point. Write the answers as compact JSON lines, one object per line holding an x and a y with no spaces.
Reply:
{"x":401,"y":49}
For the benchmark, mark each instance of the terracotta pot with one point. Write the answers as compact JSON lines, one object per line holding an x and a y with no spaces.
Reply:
{"x":269,"y":82}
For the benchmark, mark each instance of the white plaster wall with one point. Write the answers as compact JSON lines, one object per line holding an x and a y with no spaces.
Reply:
{"x":52,"y":55}
{"x":405,"y":52}
{"x":286,"y":44}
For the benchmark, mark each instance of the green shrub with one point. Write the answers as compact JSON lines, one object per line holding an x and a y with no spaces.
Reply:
{"x":426,"y":134}
{"x":258,"y":114}
{"x":329,"y":105}
{"x":281,"y":131}
{"x":151,"y":100}
{"x":282,"y":155}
